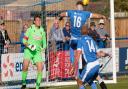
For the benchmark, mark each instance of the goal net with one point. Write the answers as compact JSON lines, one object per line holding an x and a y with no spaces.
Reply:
{"x":59,"y":58}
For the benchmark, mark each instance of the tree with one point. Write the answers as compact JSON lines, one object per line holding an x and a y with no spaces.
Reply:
{"x":121,"y":5}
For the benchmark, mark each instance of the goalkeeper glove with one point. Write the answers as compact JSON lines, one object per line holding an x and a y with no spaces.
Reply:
{"x":32,"y":47}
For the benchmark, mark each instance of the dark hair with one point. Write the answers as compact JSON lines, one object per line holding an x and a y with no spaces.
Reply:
{"x":80,"y":3}
{"x":92,"y":24}
{"x":67,"y":22}
{"x":37,"y":16}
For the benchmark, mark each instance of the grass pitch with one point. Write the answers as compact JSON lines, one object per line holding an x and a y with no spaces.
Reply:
{"x":122,"y":83}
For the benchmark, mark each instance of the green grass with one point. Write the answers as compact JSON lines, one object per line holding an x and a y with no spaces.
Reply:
{"x":122,"y":83}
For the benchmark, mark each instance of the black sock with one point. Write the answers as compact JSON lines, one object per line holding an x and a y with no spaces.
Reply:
{"x":23,"y":87}
{"x":103,"y":85}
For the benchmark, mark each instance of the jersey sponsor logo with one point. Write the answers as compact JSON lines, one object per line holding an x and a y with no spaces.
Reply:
{"x":36,"y":37}
{"x":18,"y":66}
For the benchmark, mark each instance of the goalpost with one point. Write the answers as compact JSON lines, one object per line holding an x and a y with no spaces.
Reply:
{"x":113,"y":39}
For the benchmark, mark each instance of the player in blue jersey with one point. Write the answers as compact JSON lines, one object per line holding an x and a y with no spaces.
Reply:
{"x":78,"y":18}
{"x":88,"y":48}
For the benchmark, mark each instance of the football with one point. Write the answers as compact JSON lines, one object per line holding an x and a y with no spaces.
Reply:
{"x":85,"y":2}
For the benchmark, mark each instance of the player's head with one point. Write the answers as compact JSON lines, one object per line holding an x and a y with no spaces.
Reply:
{"x":80,"y":5}
{"x":37,"y":20}
{"x":84,"y":30}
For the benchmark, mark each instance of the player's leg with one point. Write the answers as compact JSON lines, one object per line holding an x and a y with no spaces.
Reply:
{"x":88,"y":79}
{"x":25,"y":72}
{"x":80,"y":84}
{"x":27,"y":58}
{"x":101,"y":82}
{"x":71,"y":55}
{"x":73,"y":47}
{"x":39,"y":73}
{"x":89,"y":74}
{"x":93,"y":85}
{"x":83,"y":64}
{"x":39,"y":63}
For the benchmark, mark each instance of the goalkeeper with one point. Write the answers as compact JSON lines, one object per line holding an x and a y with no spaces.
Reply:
{"x":35,"y":42}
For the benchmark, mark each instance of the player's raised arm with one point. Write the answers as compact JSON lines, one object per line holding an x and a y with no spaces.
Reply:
{"x":95,"y":15}
{"x":63,"y":14}
{"x":26,"y":37}
{"x":101,"y":53}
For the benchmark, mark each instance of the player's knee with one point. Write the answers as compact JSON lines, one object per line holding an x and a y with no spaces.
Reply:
{"x":25,"y":65}
{"x":39,"y":66}
{"x":25,"y":68}
{"x":79,"y":82}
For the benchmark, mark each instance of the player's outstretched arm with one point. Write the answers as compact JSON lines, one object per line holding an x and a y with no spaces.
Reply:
{"x":25,"y":41}
{"x":102,"y":54}
{"x":95,"y":15}
{"x":75,"y":64}
{"x":63,"y":14}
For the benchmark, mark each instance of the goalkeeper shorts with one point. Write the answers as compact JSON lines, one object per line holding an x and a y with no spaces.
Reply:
{"x":33,"y":56}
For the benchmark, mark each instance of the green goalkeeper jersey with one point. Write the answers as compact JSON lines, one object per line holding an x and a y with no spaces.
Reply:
{"x":35,"y":36}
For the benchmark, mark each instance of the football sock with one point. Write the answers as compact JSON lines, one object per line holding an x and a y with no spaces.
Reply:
{"x":39,"y":77}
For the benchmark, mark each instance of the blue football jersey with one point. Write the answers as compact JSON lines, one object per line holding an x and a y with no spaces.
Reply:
{"x":88,"y":47}
{"x":77,"y":19}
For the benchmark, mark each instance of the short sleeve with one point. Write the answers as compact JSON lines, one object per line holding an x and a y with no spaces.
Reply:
{"x":88,"y":14}
{"x":28,"y":32}
{"x":69,"y":12}
{"x":26,"y":36}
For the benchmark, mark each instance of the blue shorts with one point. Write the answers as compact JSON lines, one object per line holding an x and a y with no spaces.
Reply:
{"x":73,"y":44}
{"x":88,"y":75}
